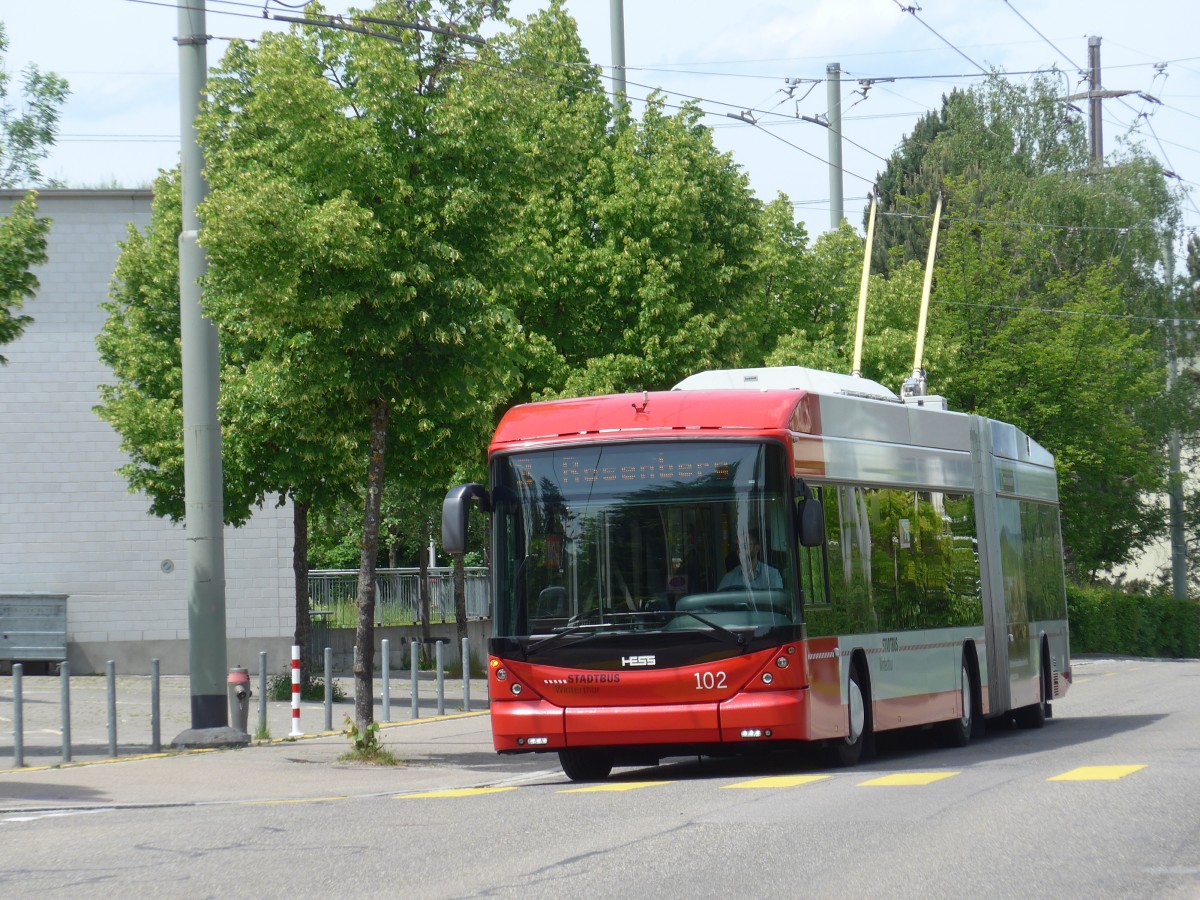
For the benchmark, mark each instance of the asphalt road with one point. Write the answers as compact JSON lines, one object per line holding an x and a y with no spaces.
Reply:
{"x":1102,"y":802}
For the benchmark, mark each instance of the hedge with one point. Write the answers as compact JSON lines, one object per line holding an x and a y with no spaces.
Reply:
{"x":1109,"y":620}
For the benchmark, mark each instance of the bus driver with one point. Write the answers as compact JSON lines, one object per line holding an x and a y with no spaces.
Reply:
{"x":750,"y":572}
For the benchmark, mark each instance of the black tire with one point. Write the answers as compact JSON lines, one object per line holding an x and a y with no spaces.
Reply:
{"x":957,"y":732}
{"x":1035,"y":716}
{"x":848,"y":750}
{"x":586,"y":765}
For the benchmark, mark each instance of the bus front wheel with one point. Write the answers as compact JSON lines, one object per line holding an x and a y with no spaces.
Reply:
{"x":586,"y":765}
{"x":848,"y":750}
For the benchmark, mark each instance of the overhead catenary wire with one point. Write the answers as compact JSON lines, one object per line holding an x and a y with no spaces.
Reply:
{"x":913,"y":10}
{"x":772,"y":118}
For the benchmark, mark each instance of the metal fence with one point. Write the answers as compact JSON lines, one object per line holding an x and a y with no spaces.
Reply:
{"x":332,"y":594}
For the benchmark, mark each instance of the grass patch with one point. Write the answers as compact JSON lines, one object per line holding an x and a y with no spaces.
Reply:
{"x":365,"y":746}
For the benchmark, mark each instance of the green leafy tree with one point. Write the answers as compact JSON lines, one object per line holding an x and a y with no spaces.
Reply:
{"x":635,"y":268}
{"x":265,"y":447}
{"x":22,"y":246}
{"x":25,"y":139}
{"x":346,"y":243}
{"x":1045,"y":263}
{"x":27,"y":135}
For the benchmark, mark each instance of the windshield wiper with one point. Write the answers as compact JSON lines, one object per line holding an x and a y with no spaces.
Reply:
{"x":592,"y":628}
{"x":738,"y":640}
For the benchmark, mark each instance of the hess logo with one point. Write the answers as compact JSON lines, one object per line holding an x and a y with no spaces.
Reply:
{"x":634,"y":661}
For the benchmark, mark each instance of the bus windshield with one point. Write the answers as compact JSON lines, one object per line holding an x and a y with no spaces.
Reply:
{"x":634,"y":537}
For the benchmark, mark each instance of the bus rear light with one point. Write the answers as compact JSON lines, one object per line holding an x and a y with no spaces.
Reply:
{"x":767,"y":678}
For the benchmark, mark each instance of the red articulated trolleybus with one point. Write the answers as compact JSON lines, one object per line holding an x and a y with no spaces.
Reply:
{"x":764,"y":557}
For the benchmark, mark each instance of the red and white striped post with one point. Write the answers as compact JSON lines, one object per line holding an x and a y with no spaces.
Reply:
{"x":295,"y":732}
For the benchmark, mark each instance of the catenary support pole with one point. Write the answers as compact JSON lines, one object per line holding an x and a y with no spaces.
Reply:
{"x":833,"y":81}
{"x":1095,"y":109}
{"x":203,"y":501}
{"x":616,"y":25}
{"x":1175,"y":511}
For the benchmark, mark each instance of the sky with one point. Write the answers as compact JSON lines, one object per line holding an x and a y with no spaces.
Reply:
{"x":751,"y":60}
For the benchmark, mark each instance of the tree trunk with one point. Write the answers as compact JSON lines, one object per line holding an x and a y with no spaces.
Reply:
{"x":364,"y":638}
{"x":460,"y":606}
{"x":300,"y":573}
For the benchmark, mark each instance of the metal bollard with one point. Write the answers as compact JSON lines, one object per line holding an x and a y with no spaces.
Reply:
{"x":387,"y":694}
{"x":295,"y":732}
{"x":413,"y":654}
{"x":18,"y":672}
{"x":329,"y":689}
{"x":155,"y":712}
{"x":441,"y":686}
{"x":64,"y":674}
{"x":262,"y":693}
{"x":110,"y":671}
{"x":466,"y":664}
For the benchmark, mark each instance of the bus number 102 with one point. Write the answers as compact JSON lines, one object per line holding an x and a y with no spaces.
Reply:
{"x":707,"y":681}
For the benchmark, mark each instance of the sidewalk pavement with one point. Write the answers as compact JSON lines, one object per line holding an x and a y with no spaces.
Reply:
{"x":453,"y":750}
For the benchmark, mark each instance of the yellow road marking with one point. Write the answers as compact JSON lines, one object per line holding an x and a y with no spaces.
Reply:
{"x":617,"y":786}
{"x":459,"y":792}
{"x":907,"y":779}
{"x":1096,"y":773}
{"x":779,"y":781}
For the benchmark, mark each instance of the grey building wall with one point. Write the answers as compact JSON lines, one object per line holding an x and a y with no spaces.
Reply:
{"x":68,"y":523}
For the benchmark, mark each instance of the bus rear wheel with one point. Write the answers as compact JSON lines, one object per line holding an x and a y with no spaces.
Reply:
{"x":957,"y":732}
{"x":586,"y":765}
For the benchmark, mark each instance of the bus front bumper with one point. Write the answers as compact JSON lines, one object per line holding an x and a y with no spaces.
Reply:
{"x":747,"y":718}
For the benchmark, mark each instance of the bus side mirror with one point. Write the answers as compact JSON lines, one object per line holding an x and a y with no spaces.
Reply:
{"x":455,"y":509}
{"x":810,"y":523}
